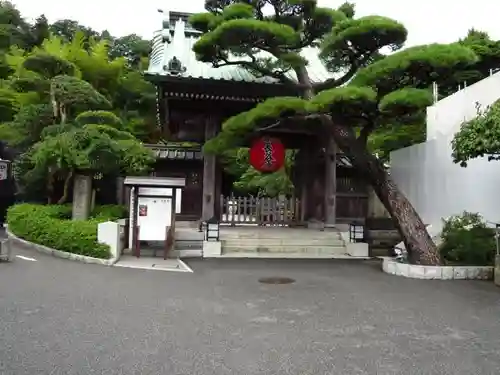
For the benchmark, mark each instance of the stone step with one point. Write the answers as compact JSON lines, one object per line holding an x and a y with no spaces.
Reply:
{"x":254,"y":255}
{"x":187,"y":224}
{"x":189,"y":234}
{"x":284,"y":241}
{"x":288,"y":235}
{"x":186,"y":245}
{"x":187,"y":253}
{"x":285,"y":249}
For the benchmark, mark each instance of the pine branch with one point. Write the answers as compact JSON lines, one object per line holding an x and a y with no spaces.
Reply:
{"x":366,"y":131}
{"x":331,"y":83}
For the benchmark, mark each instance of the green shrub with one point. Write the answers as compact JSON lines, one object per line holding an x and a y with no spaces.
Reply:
{"x":466,"y":240}
{"x":50,"y":226}
{"x":110,"y":212}
{"x":99,"y":118}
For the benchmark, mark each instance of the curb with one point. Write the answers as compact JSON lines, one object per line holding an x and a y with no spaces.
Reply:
{"x":412,"y":271}
{"x":59,"y":253}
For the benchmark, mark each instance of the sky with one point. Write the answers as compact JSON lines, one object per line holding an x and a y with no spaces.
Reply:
{"x":427,"y":21}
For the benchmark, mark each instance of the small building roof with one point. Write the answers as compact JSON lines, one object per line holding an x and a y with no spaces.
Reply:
{"x":174,"y":43}
{"x":166,"y":182}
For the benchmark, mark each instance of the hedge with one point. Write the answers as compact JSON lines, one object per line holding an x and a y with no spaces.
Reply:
{"x":51,"y":226}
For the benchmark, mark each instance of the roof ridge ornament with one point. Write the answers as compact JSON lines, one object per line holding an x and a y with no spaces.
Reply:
{"x":165,"y":30}
{"x":166,"y":18}
{"x":174,"y":66}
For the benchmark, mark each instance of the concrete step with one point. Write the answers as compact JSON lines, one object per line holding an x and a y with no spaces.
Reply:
{"x":187,"y":253}
{"x":284,"y":241}
{"x":189,"y":234}
{"x":285,"y":249}
{"x":187,"y":224}
{"x":288,"y":234}
{"x":187,"y":245}
{"x":254,"y":255}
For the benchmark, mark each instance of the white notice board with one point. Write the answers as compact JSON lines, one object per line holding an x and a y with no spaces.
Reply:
{"x":164,"y":192}
{"x":154,"y":215}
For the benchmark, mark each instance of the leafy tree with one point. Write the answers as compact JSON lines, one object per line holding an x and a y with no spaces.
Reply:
{"x":99,"y":117}
{"x":478,"y":137}
{"x":134,"y":93}
{"x":132,"y":47}
{"x":14,"y":30}
{"x":71,"y":95}
{"x":8,"y":105}
{"x":91,"y":150}
{"x":27,"y":125}
{"x":40,"y":31}
{"x":89,"y":59}
{"x":381,"y":90}
{"x":56,"y":80}
{"x":48,"y":66}
{"x":67,"y":29}
{"x":136,"y":99}
{"x":488,"y":53}
{"x":64,"y":149}
{"x":392,"y":137}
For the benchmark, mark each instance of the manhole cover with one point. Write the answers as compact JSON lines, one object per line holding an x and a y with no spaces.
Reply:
{"x":276,"y":280}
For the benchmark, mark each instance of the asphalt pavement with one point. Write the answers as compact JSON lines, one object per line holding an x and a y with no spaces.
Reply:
{"x":338,"y":317}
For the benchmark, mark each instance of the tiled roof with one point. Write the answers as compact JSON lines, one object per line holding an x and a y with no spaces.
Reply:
{"x":176,"y":40}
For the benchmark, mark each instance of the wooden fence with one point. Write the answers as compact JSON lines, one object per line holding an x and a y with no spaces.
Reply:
{"x":260,"y":211}
{"x":351,"y":199}
{"x":350,"y":206}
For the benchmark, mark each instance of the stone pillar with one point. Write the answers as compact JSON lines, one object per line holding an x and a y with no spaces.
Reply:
{"x":209,"y":169}
{"x":82,"y":191}
{"x":330,"y":183}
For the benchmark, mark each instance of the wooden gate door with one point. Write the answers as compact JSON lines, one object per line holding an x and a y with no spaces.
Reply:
{"x":191,"y":203}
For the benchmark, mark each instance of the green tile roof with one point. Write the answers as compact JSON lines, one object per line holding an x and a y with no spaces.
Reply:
{"x":176,"y":40}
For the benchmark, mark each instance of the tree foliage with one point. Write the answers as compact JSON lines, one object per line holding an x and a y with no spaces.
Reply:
{"x":67,"y":101}
{"x":99,"y":117}
{"x":392,"y":137}
{"x":478,"y":137}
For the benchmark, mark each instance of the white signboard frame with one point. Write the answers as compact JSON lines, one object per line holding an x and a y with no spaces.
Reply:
{"x":154,"y":212}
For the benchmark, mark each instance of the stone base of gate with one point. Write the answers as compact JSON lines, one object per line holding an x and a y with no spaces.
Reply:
{"x":212,"y":249}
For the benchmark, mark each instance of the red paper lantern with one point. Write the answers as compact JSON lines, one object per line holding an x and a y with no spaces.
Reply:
{"x":267,"y":155}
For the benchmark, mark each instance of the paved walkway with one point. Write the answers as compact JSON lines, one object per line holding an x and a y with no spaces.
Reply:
{"x":339,"y":317}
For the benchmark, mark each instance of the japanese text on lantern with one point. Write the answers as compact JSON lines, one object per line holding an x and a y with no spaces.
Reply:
{"x":267,"y":155}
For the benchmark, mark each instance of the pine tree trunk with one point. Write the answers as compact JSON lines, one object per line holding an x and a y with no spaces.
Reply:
{"x":421,"y":249}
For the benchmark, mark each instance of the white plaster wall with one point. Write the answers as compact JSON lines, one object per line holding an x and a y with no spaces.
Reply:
{"x":446,"y":116}
{"x":439,"y":188}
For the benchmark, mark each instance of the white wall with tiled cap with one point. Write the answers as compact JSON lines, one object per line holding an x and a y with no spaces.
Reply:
{"x":393,"y":267}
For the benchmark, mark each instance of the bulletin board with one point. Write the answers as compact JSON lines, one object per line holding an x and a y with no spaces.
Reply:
{"x":154,"y":214}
